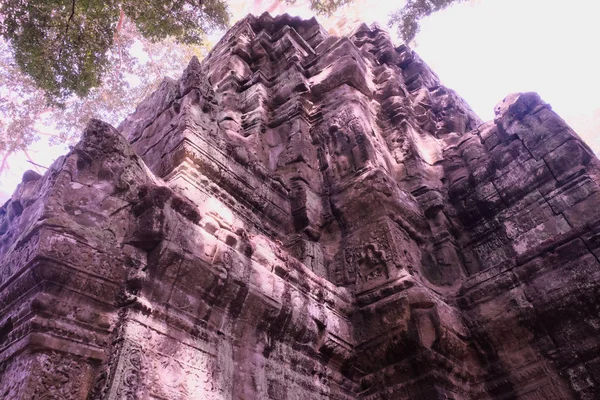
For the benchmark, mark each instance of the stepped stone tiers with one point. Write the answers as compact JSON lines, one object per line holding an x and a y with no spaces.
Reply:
{"x":302,"y":216}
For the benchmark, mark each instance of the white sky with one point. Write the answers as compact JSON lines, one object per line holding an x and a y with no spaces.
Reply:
{"x":487,"y":49}
{"x":484,"y":49}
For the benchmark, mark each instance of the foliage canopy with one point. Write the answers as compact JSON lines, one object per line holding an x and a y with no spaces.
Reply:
{"x":64,"y":45}
{"x":408,"y":17}
{"x":131,"y":74}
{"x":324,"y":7}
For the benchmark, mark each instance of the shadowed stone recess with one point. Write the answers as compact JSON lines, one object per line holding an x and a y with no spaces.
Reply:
{"x":302,"y":216}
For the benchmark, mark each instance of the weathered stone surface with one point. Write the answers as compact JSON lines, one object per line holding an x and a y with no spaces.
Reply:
{"x":303,"y":216}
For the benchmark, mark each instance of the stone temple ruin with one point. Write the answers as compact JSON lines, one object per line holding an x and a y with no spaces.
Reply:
{"x":302,"y":216}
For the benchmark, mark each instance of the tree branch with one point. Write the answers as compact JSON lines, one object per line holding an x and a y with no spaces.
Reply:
{"x":70,"y":17}
{"x":119,"y":24}
{"x":4,"y":162}
{"x":117,"y":34}
{"x":29,"y":160}
{"x":67,"y":28}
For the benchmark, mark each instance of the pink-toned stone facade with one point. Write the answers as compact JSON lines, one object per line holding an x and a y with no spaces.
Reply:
{"x":302,"y":216}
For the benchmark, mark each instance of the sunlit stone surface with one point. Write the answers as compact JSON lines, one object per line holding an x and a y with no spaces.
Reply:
{"x":303,"y":216}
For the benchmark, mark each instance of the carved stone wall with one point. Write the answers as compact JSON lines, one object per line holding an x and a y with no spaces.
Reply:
{"x":302,"y":216}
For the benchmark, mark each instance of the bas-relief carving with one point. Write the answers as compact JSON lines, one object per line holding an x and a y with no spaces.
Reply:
{"x":377,"y":254}
{"x":46,"y":375}
{"x":156,"y":365}
{"x":304,"y":216}
{"x":371,"y":266}
{"x":347,"y":145}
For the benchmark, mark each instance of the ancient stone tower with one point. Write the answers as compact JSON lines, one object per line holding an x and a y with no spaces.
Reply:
{"x":303,"y":216}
